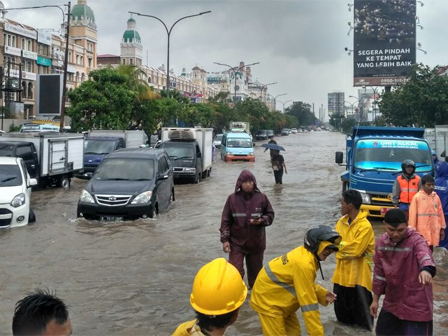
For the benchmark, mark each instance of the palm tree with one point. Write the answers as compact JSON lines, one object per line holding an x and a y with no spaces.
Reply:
{"x":136,"y":82}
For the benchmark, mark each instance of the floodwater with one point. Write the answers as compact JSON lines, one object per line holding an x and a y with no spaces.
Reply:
{"x":135,"y":278}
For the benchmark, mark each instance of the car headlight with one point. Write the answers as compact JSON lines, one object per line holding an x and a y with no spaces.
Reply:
{"x":365,"y":198}
{"x":86,"y":197}
{"x":19,"y":200}
{"x":144,"y":197}
{"x":251,"y":154}
{"x":190,"y":170}
{"x":228,"y":153}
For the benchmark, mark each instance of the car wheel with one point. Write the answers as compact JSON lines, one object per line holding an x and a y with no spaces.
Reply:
{"x":64,"y":182}
{"x":153,"y":212}
{"x":31,"y":217}
{"x":173,"y":197}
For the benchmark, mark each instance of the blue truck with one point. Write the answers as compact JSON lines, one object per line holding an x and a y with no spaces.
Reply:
{"x":100,"y":143}
{"x":373,"y":162}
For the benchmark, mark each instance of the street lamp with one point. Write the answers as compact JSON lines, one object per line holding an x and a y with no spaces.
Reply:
{"x":283,"y":104}
{"x":168,"y":31}
{"x":262,"y":87}
{"x":351,"y":104}
{"x":374,"y":99}
{"x":67,"y":35}
{"x":234,"y":73}
{"x":361,"y":107}
{"x":275,"y":98}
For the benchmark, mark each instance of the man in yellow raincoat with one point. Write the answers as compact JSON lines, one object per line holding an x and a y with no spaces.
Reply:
{"x":352,"y":277}
{"x":286,"y":284}
{"x":217,"y":295}
{"x":426,"y":213}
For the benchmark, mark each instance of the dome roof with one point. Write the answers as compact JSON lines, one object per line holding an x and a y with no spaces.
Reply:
{"x":129,"y":35}
{"x":82,"y":10}
{"x":131,"y":20}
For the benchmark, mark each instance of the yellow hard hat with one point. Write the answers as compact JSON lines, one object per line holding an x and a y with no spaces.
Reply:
{"x":218,"y":288}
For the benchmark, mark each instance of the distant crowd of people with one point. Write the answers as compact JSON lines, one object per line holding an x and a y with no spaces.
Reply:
{"x":398,"y":266}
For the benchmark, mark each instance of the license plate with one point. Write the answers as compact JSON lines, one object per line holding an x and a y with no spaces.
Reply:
{"x":111,"y":218}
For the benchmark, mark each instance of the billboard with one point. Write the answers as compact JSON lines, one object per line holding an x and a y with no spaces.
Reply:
{"x":384,"y":41}
{"x":49,"y":95}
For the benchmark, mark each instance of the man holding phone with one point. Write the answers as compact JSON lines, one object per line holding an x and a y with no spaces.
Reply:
{"x":246,"y":214}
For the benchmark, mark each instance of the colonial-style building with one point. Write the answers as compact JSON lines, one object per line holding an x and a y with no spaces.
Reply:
{"x":42,"y":52}
{"x":193,"y":85}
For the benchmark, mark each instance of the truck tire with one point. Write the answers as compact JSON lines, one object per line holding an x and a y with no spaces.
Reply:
{"x":204,"y":174}
{"x":64,"y":182}
{"x":209,"y":172}
{"x":173,"y":196}
{"x":345,"y":186}
{"x":198,"y":178}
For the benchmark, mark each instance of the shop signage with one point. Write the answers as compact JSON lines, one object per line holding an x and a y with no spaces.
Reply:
{"x":43,"y":61}
{"x":21,"y":30}
{"x":25,"y":74}
{"x":44,"y":37}
{"x":13,"y":51}
{"x":30,"y":54}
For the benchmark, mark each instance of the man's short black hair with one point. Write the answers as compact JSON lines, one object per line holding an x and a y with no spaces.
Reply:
{"x":427,"y":178}
{"x":395,"y":217}
{"x":34,"y":312}
{"x":210,"y":322}
{"x":352,"y":197}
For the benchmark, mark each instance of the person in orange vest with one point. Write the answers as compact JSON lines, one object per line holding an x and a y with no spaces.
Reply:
{"x":426,"y":213}
{"x":405,"y":187}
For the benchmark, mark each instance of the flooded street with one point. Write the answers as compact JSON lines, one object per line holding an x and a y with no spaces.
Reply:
{"x":135,"y":278}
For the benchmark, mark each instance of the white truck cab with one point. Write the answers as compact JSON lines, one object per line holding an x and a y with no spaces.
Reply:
{"x":15,"y":193}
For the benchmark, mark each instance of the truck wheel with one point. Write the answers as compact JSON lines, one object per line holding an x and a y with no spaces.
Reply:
{"x":204,"y":174}
{"x":173,"y":197}
{"x":198,"y":178}
{"x":209,"y":172}
{"x":345,"y":186}
{"x":31,"y":217}
{"x":64,"y":182}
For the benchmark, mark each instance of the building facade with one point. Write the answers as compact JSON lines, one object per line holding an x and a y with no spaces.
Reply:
{"x":336,"y":103}
{"x":35,"y":52}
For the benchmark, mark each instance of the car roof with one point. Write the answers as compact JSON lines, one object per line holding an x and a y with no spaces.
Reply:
{"x":8,"y":161}
{"x":237,"y":135}
{"x":103,"y":138}
{"x":15,"y":142}
{"x":137,"y":153}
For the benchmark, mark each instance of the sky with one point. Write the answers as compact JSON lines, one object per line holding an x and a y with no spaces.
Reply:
{"x":299,"y":43}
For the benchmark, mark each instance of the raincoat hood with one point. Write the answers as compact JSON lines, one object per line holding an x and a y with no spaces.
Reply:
{"x":245,"y":176}
{"x":442,"y":172}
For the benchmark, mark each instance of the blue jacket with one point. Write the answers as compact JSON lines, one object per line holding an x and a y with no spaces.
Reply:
{"x":441,"y":188}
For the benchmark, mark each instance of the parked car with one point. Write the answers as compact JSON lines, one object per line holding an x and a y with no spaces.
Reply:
{"x":285,"y":131}
{"x":217,"y":140}
{"x":261,"y":135}
{"x":129,"y":184}
{"x":271,"y":133}
{"x":293,"y":130}
{"x":15,"y":193}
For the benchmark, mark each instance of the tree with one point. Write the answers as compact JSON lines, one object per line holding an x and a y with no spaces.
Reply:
{"x":422,"y":101}
{"x":103,"y":101}
{"x":336,"y":120}
{"x":302,"y":111}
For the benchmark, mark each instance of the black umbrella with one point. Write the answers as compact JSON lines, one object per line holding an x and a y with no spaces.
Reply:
{"x":273,"y":146}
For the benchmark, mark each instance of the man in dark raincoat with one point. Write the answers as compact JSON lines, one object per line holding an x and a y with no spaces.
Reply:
{"x":246,"y":214}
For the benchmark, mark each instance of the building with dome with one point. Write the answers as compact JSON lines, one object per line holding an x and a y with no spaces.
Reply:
{"x":42,"y":52}
{"x":190,"y":84}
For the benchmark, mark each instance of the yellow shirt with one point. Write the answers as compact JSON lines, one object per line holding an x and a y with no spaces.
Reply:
{"x":188,"y":329}
{"x":355,"y":257}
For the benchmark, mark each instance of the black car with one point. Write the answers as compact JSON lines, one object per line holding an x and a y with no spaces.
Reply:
{"x":129,"y":184}
{"x":261,"y":135}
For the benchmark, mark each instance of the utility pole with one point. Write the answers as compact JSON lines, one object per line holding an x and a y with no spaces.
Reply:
{"x":64,"y":82}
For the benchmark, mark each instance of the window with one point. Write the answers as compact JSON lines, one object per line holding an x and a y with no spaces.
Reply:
{"x":25,"y":152}
{"x":13,"y":41}
{"x":9,"y":40}
{"x":29,"y":45}
{"x":163,"y":165}
{"x":30,"y":90}
{"x":29,"y":66}
{"x":90,"y":62}
{"x":124,"y":61}
{"x":24,"y":89}
{"x":23,"y":43}
{"x":77,"y":59}
{"x":83,"y":77}
{"x":131,"y":61}
{"x":81,"y":60}
{"x":70,"y":57}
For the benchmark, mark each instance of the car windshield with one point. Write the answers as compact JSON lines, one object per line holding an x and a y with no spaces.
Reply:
{"x":239,"y":143}
{"x":178,"y":151}
{"x":125,"y":169}
{"x":389,"y":154}
{"x":6,"y":150}
{"x":10,"y":176}
{"x":94,"y":146}
{"x":218,"y":137}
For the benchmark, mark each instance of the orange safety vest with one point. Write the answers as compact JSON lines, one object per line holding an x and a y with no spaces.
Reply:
{"x":408,"y":188}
